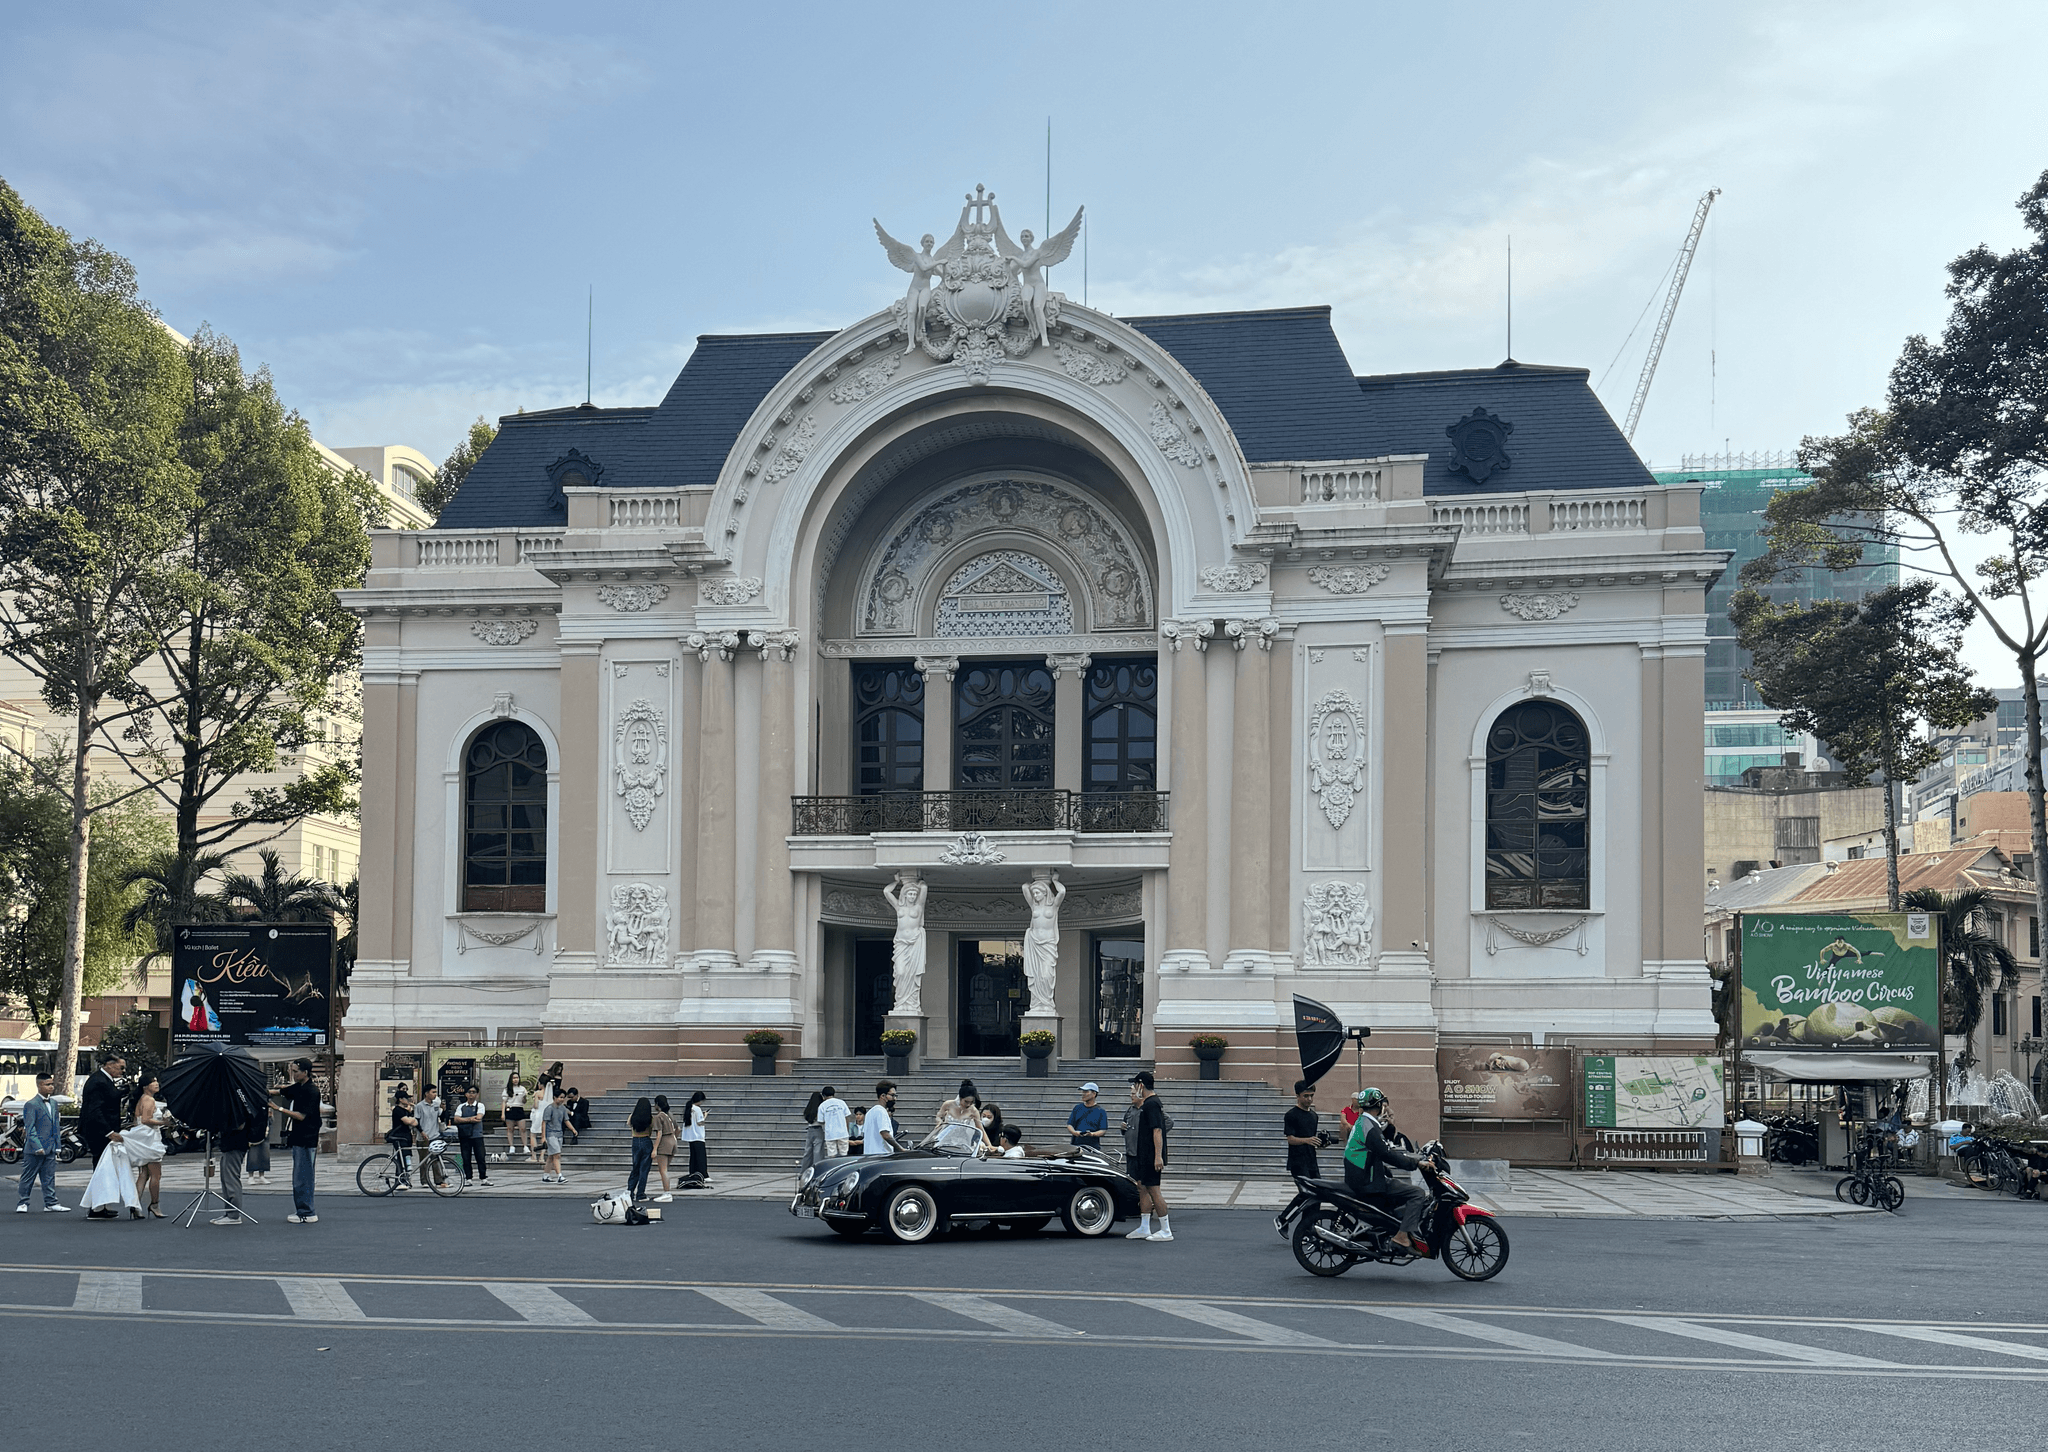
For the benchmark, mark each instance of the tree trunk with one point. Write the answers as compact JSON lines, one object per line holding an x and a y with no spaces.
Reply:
{"x":2037,"y":819}
{"x":68,"y":1026}
{"x":1891,"y":817}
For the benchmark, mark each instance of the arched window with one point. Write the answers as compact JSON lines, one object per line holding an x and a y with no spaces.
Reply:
{"x":1003,"y":732}
{"x":505,"y":817}
{"x":1538,"y":809}
{"x":1123,"y":726}
{"x":888,"y":712}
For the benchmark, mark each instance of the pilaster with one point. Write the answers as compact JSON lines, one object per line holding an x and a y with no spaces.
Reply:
{"x":715,"y":885}
{"x":1250,"y":787}
{"x":582,"y":799}
{"x":1404,"y":727}
{"x":774,"y":907}
{"x":1070,"y":703}
{"x":938,"y":673}
{"x":1187,"y":880}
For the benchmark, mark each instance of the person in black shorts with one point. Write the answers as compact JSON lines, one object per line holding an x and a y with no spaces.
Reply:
{"x":1145,"y":1157}
{"x":1299,"y":1126}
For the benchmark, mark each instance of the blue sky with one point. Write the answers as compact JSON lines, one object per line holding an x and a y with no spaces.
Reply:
{"x":399,"y":207}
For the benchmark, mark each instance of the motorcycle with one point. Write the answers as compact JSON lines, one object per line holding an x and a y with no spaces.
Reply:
{"x":69,"y":1145}
{"x":1284,"y":1221}
{"x":1791,"y":1140}
{"x":1339,"y":1229}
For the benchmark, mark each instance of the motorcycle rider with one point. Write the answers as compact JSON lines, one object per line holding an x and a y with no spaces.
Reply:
{"x":1367,"y":1157}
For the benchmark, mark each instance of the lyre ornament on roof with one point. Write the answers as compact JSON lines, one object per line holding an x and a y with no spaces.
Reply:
{"x":981,"y":296}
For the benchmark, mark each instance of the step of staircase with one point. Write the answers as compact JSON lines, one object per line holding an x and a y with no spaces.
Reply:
{"x":1222,"y":1128}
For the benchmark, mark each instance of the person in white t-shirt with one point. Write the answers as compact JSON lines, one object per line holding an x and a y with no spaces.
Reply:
{"x":878,"y":1130}
{"x":832,"y":1115}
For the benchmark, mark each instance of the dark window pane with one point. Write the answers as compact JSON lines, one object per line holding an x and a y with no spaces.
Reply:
{"x":505,"y":841}
{"x":1538,"y":798}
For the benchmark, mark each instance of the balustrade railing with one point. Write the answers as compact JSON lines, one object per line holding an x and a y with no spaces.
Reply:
{"x":451,"y":549}
{"x":1584,"y":514}
{"x":1484,"y":518}
{"x":971,"y":811}
{"x":1339,"y":484}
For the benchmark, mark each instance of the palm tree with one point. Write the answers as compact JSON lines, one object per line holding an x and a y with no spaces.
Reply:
{"x":1977,"y":963}
{"x":172,"y":892}
{"x":280,"y":897}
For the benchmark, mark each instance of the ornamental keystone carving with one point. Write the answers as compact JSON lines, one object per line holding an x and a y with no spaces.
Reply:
{"x":1538,"y":607}
{"x":503,"y":632}
{"x":1234,"y":579}
{"x":632,"y":599}
{"x":1348,"y":579}
{"x":1088,"y":366}
{"x":640,"y":760}
{"x":972,"y":850}
{"x":868,"y":382}
{"x":636,"y":927}
{"x":728,"y":590}
{"x":1337,"y":926}
{"x":501,"y":706}
{"x":1172,"y":442}
{"x":980,"y":297}
{"x":1336,"y":754}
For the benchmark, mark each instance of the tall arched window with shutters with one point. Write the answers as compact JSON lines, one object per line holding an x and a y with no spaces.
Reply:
{"x":505,"y":820}
{"x":888,"y":707}
{"x":1539,"y":770}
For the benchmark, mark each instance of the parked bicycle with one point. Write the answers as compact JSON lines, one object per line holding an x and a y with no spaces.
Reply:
{"x":1870,"y":1180}
{"x":391,"y":1171}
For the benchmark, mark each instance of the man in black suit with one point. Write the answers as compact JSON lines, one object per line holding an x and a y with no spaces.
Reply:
{"x":99,"y":1115}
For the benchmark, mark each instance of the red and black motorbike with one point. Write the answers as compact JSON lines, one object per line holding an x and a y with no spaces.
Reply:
{"x":1337,"y":1229}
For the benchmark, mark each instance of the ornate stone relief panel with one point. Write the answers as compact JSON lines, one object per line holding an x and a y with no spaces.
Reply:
{"x":1348,"y":579}
{"x":1233,"y":579}
{"x":640,"y":760}
{"x":1538,"y":607}
{"x":1335,"y":808}
{"x":1337,"y":924}
{"x":1097,"y":547}
{"x":728,"y":590}
{"x":636,"y":926}
{"x":1004,"y":592}
{"x":503,"y":632}
{"x":1003,"y":910}
{"x":632,"y":599}
{"x":638,"y":813}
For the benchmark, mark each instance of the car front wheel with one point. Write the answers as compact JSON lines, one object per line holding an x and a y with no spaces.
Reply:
{"x":1090,"y":1212}
{"x":912,"y":1215}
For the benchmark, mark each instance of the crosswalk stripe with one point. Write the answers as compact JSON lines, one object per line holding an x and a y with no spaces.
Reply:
{"x":539,"y":1303}
{"x":992,"y":1313}
{"x":1957,"y":1338}
{"x":108,"y":1292}
{"x":1223,"y":1320}
{"x":762,"y":1307}
{"x":313,"y":1300}
{"x":1743,"y":1341}
{"x":1482,"y":1331}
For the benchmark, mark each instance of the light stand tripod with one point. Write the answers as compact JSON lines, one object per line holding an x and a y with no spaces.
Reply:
{"x":190,"y":1214}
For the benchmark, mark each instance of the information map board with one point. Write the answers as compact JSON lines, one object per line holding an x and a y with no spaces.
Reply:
{"x":1646,"y":1091}
{"x":252,"y":985}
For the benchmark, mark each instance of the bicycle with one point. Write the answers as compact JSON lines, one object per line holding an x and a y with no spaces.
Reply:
{"x":385,"y":1174}
{"x":1869,"y":1181}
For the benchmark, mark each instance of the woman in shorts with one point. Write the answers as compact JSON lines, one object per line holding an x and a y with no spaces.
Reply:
{"x":518,"y":1136}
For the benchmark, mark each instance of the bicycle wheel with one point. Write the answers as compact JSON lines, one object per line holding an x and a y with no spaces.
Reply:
{"x":1844,"y":1188}
{"x":441,"y":1177}
{"x":377,"y":1175}
{"x":1891,"y":1194}
{"x":1859,"y":1191}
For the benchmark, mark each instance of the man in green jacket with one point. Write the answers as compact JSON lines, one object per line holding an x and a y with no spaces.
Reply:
{"x":1367,"y":1156}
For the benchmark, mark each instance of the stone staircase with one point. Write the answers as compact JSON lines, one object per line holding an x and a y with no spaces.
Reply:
{"x":1224,"y":1129}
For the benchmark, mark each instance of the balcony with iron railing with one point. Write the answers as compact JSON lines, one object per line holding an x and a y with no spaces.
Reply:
{"x":1057,"y":810}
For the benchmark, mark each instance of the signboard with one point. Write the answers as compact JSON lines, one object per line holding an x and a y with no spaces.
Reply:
{"x":1856,"y":983}
{"x":1486,"y":1081}
{"x":1643,"y":1091}
{"x":452,"y":1066}
{"x":256,"y":985}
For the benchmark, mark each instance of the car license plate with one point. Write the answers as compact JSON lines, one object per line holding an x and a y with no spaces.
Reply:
{"x":805,"y":1212}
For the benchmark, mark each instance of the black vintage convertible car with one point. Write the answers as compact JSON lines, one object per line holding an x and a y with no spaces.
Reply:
{"x":917,"y":1193}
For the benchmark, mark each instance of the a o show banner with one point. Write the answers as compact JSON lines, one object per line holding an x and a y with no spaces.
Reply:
{"x":257,"y":985}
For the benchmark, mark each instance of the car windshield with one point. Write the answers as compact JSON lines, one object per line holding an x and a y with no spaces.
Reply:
{"x":954,"y":1139}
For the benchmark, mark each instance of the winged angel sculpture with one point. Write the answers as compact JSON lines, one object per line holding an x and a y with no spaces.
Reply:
{"x":964,"y":297}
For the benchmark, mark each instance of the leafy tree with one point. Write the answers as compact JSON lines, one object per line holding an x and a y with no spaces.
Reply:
{"x":277,"y":896}
{"x":135,"y":1039}
{"x":1865,"y":676}
{"x":434,"y":496}
{"x":35,"y":826}
{"x":253,"y":635}
{"x":1959,"y":449}
{"x":1977,"y":963}
{"x":92,"y":494}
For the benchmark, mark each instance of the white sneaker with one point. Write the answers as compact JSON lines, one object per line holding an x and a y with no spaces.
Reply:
{"x":22,"y":1208}
{"x":1141,"y":1233}
{"x":53,"y":1209}
{"x":293,"y":1220}
{"x":225,"y":1220}
{"x":314,"y":1219}
{"x":1160,"y":1235}
{"x":664,"y":1199}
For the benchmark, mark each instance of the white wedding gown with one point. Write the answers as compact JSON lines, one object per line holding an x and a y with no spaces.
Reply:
{"x":113,"y":1179}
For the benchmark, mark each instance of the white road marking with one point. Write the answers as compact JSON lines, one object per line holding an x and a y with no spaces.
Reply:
{"x":1957,"y":1338}
{"x":991,"y":1313}
{"x":1482,"y":1331}
{"x":540,"y":1304}
{"x":1743,"y":1341}
{"x":108,"y":1292}
{"x":1261,"y":1331}
{"x":766,"y":1309}
{"x":313,"y":1300}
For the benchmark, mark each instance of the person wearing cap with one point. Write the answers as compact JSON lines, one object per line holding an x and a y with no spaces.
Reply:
{"x":1090,"y":1121}
{"x":1367,"y":1155}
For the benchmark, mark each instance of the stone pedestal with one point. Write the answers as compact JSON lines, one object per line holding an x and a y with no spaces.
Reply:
{"x":915,"y":1022}
{"x":1031,"y":1022}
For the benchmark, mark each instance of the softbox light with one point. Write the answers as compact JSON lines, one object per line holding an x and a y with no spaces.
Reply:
{"x":1319,"y":1034}
{"x":215,"y":1087}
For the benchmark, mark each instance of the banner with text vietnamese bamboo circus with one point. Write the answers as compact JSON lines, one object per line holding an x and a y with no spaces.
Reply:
{"x":1856,"y":983}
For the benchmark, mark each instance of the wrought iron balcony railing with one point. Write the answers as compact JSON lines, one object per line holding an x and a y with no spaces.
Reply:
{"x":1012,"y":811}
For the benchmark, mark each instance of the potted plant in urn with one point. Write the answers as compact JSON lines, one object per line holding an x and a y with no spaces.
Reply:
{"x":897,"y":1044}
{"x":1037,"y":1047}
{"x":762,"y":1044}
{"x":1209,"y":1049}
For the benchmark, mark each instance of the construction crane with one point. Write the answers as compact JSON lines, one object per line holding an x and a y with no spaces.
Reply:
{"x":1692,"y":245}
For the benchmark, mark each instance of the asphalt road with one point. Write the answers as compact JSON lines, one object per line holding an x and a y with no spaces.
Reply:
{"x":734,"y":1325}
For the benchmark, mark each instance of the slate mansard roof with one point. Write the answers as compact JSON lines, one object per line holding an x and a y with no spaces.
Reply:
{"x":1279,"y":376}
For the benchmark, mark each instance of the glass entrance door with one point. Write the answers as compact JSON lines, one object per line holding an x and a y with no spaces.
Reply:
{"x":992,"y":997}
{"x":874,"y":993}
{"x":1119,"y":997}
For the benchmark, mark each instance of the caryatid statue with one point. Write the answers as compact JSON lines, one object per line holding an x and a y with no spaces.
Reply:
{"x":1044,"y":893}
{"x":906,"y":951}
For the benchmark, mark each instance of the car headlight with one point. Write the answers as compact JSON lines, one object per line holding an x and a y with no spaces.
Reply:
{"x":844,"y":1184}
{"x":810,"y":1173}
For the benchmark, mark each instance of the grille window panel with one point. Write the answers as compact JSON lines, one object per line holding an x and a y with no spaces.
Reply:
{"x":505,"y":809}
{"x":1538,"y":809}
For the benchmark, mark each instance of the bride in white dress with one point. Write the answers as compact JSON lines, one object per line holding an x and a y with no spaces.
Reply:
{"x":958,"y":1121}
{"x":145,"y":1145}
{"x":132,"y":1158}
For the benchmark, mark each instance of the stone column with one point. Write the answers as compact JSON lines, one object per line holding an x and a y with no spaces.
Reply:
{"x":1187,"y":878}
{"x":584,"y":752}
{"x":1404,"y":734}
{"x":938,"y":672}
{"x":1250,"y":789}
{"x":1069,"y":710}
{"x":1282,"y":797}
{"x":715,"y":886}
{"x":774,"y":906}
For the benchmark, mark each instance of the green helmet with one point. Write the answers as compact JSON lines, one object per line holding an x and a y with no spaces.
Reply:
{"x":1370,"y":1100}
